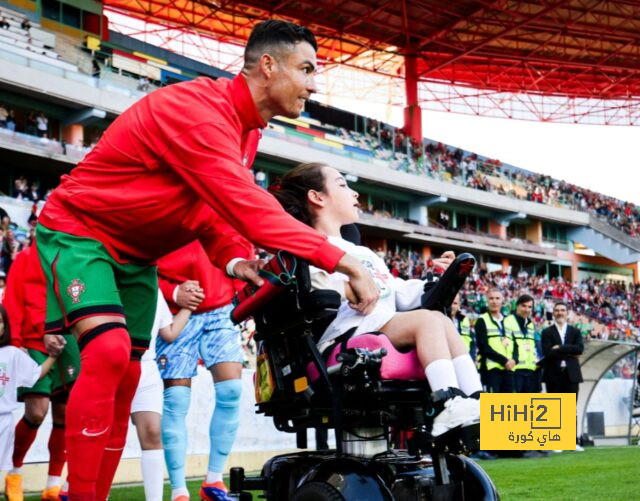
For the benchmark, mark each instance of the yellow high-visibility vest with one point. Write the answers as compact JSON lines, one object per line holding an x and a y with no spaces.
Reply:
{"x":526,"y":342}
{"x":497,"y":340}
{"x":464,"y":328}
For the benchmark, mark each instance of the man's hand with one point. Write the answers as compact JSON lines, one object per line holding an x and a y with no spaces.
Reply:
{"x":361,"y":283}
{"x":190,"y":295}
{"x":510,"y":364}
{"x":444,"y":261}
{"x":54,"y":344}
{"x":248,"y":271}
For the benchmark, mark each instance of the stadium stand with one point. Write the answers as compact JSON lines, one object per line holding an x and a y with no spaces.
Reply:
{"x":530,"y":232}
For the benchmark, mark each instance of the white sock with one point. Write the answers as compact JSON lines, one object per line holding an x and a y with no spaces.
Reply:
{"x":65,"y":486}
{"x":180,"y":491}
{"x":213,"y":476}
{"x":467,"y":374}
{"x":152,"y":463}
{"x":15,"y":471}
{"x":441,"y":375}
{"x":53,"y":481}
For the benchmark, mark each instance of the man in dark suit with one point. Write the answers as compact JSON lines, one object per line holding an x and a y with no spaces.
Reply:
{"x":561,"y":347}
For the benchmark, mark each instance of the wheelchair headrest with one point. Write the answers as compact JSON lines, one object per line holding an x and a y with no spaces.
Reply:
{"x":351,"y":233}
{"x":285,"y":300}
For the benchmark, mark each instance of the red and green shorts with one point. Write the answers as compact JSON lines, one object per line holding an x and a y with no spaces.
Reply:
{"x":84,"y":280}
{"x":57,"y":384}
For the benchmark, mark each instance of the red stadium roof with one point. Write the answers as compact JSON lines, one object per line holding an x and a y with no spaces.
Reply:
{"x":587,"y":49}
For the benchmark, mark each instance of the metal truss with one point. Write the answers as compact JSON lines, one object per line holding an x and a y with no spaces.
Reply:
{"x":550,"y":60}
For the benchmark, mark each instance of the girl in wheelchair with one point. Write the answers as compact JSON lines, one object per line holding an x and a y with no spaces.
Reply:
{"x":319,"y":196}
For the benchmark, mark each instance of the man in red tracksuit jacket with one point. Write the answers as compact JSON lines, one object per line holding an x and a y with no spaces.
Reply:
{"x":209,"y":335}
{"x":25,"y":301}
{"x":169,"y":170}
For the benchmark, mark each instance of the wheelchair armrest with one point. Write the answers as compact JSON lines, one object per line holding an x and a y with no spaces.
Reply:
{"x":440,"y":296}
{"x":321,"y":301}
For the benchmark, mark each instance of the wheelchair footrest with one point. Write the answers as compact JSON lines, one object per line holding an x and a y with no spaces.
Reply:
{"x":461,"y":440}
{"x":238,"y":482}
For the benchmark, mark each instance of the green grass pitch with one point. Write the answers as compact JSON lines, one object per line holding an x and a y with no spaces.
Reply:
{"x":603,"y":473}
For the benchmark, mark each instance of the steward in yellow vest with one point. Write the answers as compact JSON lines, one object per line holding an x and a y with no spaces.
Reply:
{"x":498,"y":349}
{"x":463,"y":326}
{"x":520,"y":326}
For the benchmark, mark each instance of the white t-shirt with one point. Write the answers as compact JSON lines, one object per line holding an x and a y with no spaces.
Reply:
{"x":396,"y":294}
{"x":16,"y":369}
{"x":43,"y":123}
{"x":162,"y":319}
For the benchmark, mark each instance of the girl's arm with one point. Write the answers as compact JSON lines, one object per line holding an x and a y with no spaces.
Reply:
{"x":171,"y":332}
{"x":45,"y":366}
{"x":348,"y":291}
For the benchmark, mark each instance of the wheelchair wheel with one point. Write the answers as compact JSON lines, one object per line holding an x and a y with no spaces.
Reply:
{"x":317,"y":491}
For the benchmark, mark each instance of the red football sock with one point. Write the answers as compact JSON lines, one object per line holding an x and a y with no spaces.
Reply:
{"x":115,"y":445}
{"x":25,"y":435}
{"x":104,"y":361}
{"x":57,"y":451}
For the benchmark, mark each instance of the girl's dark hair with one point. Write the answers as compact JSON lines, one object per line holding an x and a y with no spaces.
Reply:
{"x":294,"y":186}
{"x":5,"y":338}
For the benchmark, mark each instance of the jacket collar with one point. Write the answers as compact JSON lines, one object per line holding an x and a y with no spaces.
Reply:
{"x":244,"y":105}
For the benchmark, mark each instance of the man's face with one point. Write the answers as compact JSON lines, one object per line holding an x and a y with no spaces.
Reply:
{"x":560,"y":313}
{"x":494,"y":301}
{"x":524,"y":309}
{"x":455,"y":305}
{"x":292,"y":80}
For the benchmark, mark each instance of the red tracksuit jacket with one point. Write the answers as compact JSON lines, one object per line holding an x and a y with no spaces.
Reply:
{"x":25,"y":299}
{"x":163,"y":170}
{"x":192,"y":263}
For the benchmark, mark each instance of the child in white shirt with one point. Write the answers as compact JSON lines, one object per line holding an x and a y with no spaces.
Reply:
{"x":17,"y":369}
{"x":146,"y":407}
{"x":319,"y":196}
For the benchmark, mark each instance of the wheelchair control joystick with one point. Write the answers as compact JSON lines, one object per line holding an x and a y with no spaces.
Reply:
{"x":355,"y":358}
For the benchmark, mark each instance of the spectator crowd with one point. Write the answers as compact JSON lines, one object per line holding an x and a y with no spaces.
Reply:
{"x":602,"y":309}
{"x":442,"y":162}
{"x":32,"y":122}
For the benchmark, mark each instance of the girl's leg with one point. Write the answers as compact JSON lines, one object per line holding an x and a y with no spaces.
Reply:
{"x":148,"y":427}
{"x":422,"y":329}
{"x":419,"y":328}
{"x":427,"y":332}
{"x":466,"y":371}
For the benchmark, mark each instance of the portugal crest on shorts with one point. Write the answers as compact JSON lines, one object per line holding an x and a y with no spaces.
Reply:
{"x":71,"y":370}
{"x":75,"y":289}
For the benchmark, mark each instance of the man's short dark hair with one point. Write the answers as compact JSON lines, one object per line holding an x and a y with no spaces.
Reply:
{"x":560,"y":303}
{"x":273,"y":35}
{"x":524,"y":298}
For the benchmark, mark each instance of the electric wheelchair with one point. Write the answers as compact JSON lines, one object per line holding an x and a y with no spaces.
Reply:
{"x":375,"y":398}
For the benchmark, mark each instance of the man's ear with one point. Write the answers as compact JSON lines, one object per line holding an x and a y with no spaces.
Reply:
{"x":267,"y":64}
